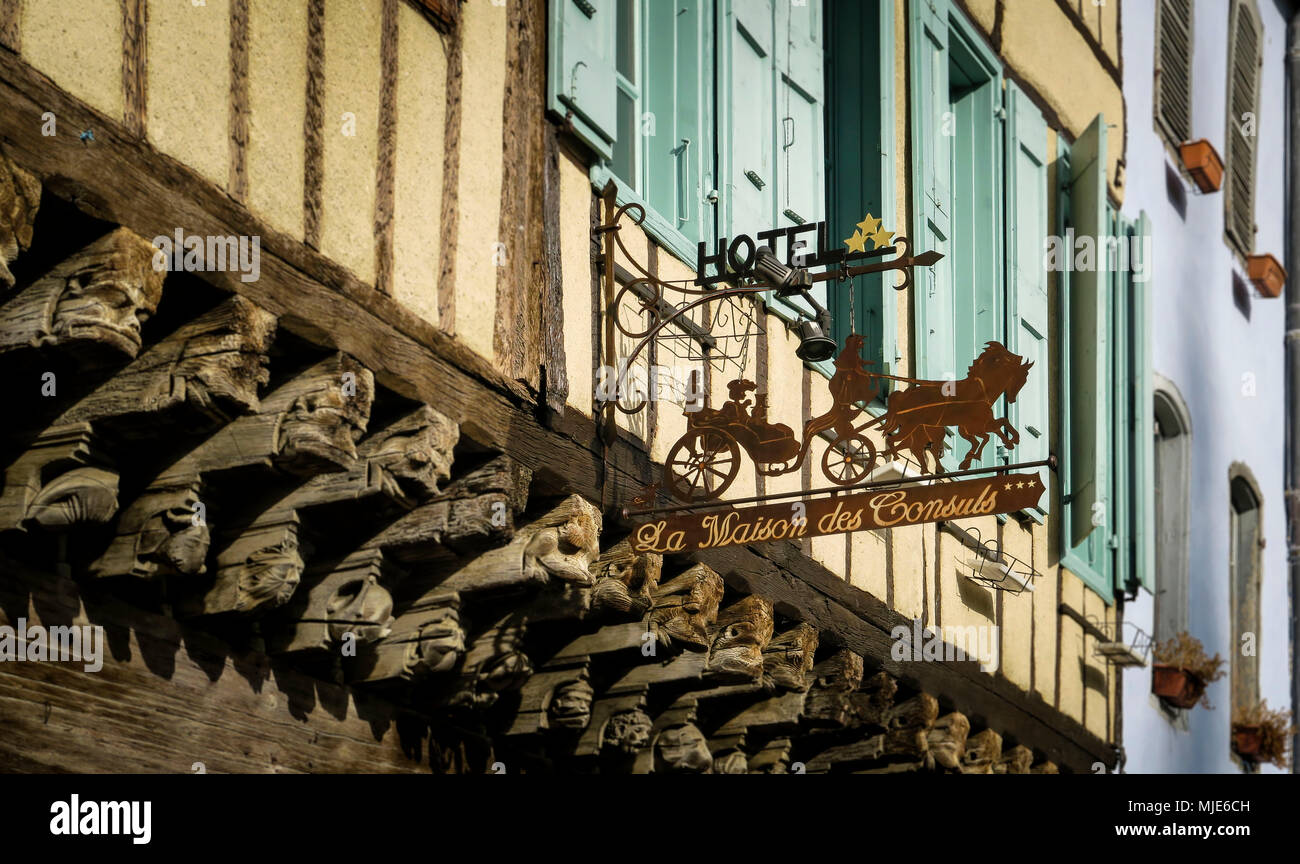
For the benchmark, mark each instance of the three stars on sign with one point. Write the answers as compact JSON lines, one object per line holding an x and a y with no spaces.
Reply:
{"x":869,"y":229}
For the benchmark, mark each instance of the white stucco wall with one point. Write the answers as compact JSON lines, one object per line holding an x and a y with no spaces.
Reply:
{"x":1205,"y":345}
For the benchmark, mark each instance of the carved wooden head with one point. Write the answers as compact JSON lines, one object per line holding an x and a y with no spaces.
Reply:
{"x":566,"y":543}
{"x":110,"y":293}
{"x":173,"y":542}
{"x":20,"y":196}
{"x":441,"y":642}
{"x":743,"y":629}
{"x":686,"y":605}
{"x":361,"y":607}
{"x":269,"y":576}
{"x":324,"y":423}
{"x":80,"y":496}
{"x":682,"y":750}
{"x":570,"y":707}
{"x":627,"y":732}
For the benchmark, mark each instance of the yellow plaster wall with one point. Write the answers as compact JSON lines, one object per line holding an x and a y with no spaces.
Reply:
{"x":1018,"y":609}
{"x":277,"y":87}
{"x":1042,"y":47}
{"x":188,"y":103}
{"x":1045,"y":616}
{"x":352,"y":73}
{"x":417,"y":187}
{"x":1070,"y":699}
{"x":483,"y":41}
{"x":78,"y":45}
{"x":575,"y":270}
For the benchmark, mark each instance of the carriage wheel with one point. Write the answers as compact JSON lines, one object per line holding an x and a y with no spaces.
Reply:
{"x":702,"y":465}
{"x":848,"y":460}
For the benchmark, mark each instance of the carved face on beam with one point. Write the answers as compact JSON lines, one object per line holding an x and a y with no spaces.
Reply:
{"x":228,"y":362}
{"x":508,"y":668}
{"x":788,"y":658}
{"x":686,"y":605}
{"x":361,"y":607}
{"x":269,"y":576}
{"x":625,"y":584}
{"x":682,"y":750}
{"x":110,"y":294}
{"x":570,"y":707}
{"x":20,"y":196}
{"x":744,"y":629}
{"x":627,"y":732}
{"x":947,"y":739}
{"x":566,"y":550}
{"x":323,"y":424}
{"x":419,"y":458}
{"x":172,"y":542}
{"x":441,"y":642}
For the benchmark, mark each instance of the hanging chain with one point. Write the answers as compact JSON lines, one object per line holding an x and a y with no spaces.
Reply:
{"x":853,"y":315}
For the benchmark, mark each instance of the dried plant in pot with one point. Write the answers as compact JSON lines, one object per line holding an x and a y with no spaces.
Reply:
{"x":1182,"y":670}
{"x":1261,"y":734}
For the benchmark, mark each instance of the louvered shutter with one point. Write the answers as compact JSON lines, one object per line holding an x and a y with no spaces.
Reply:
{"x":1242,"y":131}
{"x":1173,"y":90}
{"x":580,"y":69}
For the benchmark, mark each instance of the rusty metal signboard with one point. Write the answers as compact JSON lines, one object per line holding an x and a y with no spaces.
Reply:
{"x":873,"y":508}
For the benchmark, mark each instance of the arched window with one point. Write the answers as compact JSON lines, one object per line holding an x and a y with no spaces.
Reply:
{"x":1244,"y":568}
{"x":1173,"y":466}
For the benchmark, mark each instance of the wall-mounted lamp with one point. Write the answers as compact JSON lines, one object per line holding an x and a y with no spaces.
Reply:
{"x":815,"y":343}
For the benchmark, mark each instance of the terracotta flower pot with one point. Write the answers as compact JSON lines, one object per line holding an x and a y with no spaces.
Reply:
{"x":1203,"y":164}
{"x":1176,"y":686}
{"x":1266,"y":274}
{"x":1246,"y":740}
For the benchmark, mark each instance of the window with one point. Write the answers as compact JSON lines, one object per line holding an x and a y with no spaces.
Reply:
{"x":706,"y":112}
{"x":1244,"y":565}
{"x":1106,"y":475}
{"x":1173,"y":72}
{"x":1244,"y":61}
{"x":979,"y":183}
{"x":1172,"y":468}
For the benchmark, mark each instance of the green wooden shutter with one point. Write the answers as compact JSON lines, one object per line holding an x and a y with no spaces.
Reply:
{"x":1026,"y":236}
{"x":749,"y":176}
{"x":1144,"y":507}
{"x":678,"y":141}
{"x":800,"y":129}
{"x":860,"y":163}
{"x":1088,"y":337}
{"x":931,"y":198}
{"x":580,"y":69}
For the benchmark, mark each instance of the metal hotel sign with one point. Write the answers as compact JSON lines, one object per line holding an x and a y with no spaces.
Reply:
{"x":876,"y":508}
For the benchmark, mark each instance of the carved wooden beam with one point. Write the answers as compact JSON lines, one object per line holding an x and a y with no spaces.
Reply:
{"x":560,"y":546}
{"x":210,"y":367}
{"x":905,"y":742}
{"x":403,"y":463}
{"x":685,"y":606}
{"x":59,"y":482}
{"x":20,"y":197}
{"x":162,"y":533}
{"x":309,"y":425}
{"x":729,"y":756}
{"x":625,"y":582}
{"x":427,"y":640}
{"x":740,"y":634}
{"x":1045,"y":768}
{"x":494,"y":664}
{"x":337,"y":607}
{"x":256,"y":570}
{"x":772,"y":758}
{"x":556,"y":699}
{"x":619,"y":729}
{"x":474,"y":511}
{"x":678,"y":746}
{"x":93,"y":302}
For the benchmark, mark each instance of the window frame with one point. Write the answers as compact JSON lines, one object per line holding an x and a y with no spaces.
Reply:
{"x":1172,"y":528}
{"x":1239,"y":475}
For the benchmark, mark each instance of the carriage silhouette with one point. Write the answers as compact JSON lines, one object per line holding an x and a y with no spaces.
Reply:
{"x":705,"y":461}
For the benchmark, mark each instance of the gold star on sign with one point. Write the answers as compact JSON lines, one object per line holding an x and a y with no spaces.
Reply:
{"x":1020,"y":485}
{"x":857,"y":243}
{"x":1009,"y":485}
{"x":869,"y":226}
{"x":882,"y":238}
